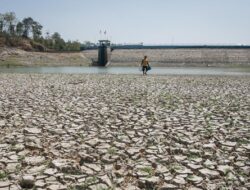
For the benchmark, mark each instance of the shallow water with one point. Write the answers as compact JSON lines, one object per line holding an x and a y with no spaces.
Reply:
{"x":129,"y":70}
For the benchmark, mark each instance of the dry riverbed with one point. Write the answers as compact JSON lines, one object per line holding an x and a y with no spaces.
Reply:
{"x":124,"y":132}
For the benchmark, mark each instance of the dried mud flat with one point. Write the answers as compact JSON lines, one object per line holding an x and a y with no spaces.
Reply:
{"x":124,"y":132}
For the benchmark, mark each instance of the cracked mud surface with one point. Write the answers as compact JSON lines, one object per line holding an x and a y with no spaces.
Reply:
{"x":124,"y":132}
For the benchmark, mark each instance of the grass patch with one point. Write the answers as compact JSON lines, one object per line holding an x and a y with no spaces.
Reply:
{"x":112,"y":151}
{"x":148,"y":170}
{"x":21,"y":158}
{"x":192,"y":156}
{"x":190,"y":177}
{"x":10,"y":62}
{"x":3,"y":175}
{"x":81,"y":136}
{"x":243,"y":141}
{"x":89,"y":181}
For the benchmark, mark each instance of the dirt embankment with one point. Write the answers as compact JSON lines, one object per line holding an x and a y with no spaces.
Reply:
{"x":163,"y":57}
{"x":179,"y":57}
{"x":18,"y":57}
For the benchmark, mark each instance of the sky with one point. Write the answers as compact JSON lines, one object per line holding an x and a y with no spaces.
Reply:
{"x":136,"y":21}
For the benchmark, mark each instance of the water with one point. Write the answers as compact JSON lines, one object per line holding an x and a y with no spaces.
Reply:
{"x":130,"y":70}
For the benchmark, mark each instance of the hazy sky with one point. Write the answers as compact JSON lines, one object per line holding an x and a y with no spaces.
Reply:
{"x":134,"y":21}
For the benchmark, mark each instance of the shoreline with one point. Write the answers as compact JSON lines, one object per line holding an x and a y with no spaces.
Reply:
{"x":157,"y":57}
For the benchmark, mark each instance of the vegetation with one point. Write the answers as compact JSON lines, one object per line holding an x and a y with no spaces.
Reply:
{"x":112,"y":151}
{"x":27,"y":34}
{"x":148,"y":170}
{"x":2,"y":175}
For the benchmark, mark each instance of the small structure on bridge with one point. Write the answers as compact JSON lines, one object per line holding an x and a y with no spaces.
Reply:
{"x":104,"y":53}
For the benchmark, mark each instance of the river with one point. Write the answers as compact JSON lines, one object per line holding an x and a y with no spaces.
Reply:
{"x":129,"y":70}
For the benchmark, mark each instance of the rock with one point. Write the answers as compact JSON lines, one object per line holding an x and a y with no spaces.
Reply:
{"x":34,"y":160}
{"x":66,"y":145}
{"x":32,"y":130}
{"x":13,"y":167}
{"x":14,"y":187}
{"x":50,"y":171}
{"x":13,"y":158}
{"x":2,"y":123}
{"x":209,"y":173}
{"x":148,"y":182}
{"x":194,"y":188}
{"x":27,"y":181}
{"x":133,"y":151}
{"x":33,"y":142}
{"x":211,"y":186}
{"x":179,"y":180}
{"x":167,"y":186}
{"x":106,"y":180}
{"x":247,"y":147}
{"x":36,"y":169}
{"x":119,"y":174}
{"x":4,"y":184}
{"x":209,"y":146}
{"x":168,"y":176}
{"x":224,"y":169}
{"x":85,"y":158}
{"x":180,"y":157}
{"x":93,"y":142}
{"x":18,"y":147}
{"x":3,"y":146}
{"x":183,"y":170}
{"x":194,"y":166}
{"x":98,"y":186}
{"x":69,"y":178}
{"x":242,"y":179}
{"x":196,"y":159}
{"x":245,"y":170}
{"x":229,"y":143}
{"x":117,"y":166}
{"x":57,"y":187}
{"x":51,"y":180}
{"x":162,"y":169}
{"x":239,"y":164}
{"x":153,"y":180}
{"x":40,"y":184}
{"x":66,"y":166}
{"x":130,"y":186}
{"x":231,"y":177}
{"x":87,"y":170}
{"x":209,"y":164}
{"x":195,"y":179}
{"x":95,"y":167}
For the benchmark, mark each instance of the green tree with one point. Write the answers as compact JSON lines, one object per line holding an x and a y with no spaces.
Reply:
{"x":27,"y":23}
{"x":76,"y":46}
{"x":13,"y":31}
{"x":36,"y":30}
{"x":58,"y":42}
{"x":10,"y":20}
{"x":19,"y":29}
{"x":1,"y":22}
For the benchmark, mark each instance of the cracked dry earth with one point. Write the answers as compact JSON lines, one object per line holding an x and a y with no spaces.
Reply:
{"x":124,"y":132}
